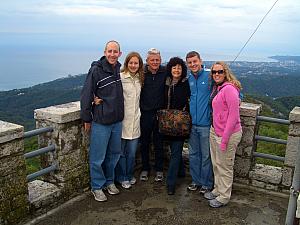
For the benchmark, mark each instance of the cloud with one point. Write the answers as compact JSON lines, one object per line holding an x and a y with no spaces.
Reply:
{"x":167,"y":22}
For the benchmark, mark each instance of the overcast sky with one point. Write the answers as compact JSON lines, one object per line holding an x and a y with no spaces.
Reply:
{"x":211,"y":26}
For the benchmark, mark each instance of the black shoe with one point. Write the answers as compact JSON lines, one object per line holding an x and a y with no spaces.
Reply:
{"x":171,"y":190}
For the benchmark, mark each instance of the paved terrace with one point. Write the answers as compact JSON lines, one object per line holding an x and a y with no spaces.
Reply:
{"x":148,"y":203}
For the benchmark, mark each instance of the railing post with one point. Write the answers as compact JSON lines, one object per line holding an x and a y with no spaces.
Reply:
{"x":292,"y":162}
{"x":292,"y":147}
{"x":70,"y":143}
{"x":244,"y":154}
{"x":13,"y":185}
{"x":294,"y":192}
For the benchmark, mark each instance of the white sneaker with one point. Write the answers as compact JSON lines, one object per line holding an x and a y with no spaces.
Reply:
{"x":159,"y":176}
{"x":133,"y":181}
{"x":99,"y":195}
{"x":126,"y":184}
{"x":112,"y":189}
{"x":144,"y":175}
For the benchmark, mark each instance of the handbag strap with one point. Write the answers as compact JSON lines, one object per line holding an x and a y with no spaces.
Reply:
{"x":169,"y":97}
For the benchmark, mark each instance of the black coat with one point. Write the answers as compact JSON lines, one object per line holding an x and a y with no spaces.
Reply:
{"x":152,"y":93}
{"x":180,"y":94}
{"x":104,"y":82}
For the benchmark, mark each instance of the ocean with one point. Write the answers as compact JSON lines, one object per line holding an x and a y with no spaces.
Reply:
{"x":25,"y":68}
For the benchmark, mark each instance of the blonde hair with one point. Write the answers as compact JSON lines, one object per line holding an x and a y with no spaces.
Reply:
{"x":229,"y":76}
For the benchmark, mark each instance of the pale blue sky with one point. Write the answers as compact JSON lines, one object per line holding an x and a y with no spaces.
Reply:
{"x":212,"y":26}
{"x":42,"y":40}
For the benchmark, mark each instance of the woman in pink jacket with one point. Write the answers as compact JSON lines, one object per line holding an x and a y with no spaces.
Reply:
{"x":225,"y":132}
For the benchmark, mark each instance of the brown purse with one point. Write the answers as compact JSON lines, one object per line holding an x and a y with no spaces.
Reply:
{"x":174,"y":122}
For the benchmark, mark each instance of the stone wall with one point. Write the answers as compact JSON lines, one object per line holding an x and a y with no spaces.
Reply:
{"x":292,"y":148}
{"x":71,"y":156}
{"x":71,"y":147}
{"x":279,"y":178}
{"x":13,"y":184}
{"x":243,"y":159}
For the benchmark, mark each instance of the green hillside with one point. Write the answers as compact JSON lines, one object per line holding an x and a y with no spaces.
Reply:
{"x":17,"y":105}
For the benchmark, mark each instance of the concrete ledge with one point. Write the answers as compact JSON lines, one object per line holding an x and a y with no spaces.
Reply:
{"x":60,"y":113}
{"x":41,"y":193}
{"x":249,"y":109}
{"x":10,"y":131}
{"x":295,"y":115}
{"x":266,"y":174}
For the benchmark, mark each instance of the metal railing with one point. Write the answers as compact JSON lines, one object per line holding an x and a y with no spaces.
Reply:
{"x":38,"y":152}
{"x":269,"y":139}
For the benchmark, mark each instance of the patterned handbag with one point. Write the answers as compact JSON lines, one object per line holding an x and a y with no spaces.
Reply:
{"x":174,"y":122}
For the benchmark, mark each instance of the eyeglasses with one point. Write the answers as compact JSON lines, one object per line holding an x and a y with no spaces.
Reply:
{"x":217,"y":71}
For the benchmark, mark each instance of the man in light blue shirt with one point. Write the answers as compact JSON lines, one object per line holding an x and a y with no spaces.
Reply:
{"x":199,"y":152}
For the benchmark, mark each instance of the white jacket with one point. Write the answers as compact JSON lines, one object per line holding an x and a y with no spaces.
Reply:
{"x":131,"y":91}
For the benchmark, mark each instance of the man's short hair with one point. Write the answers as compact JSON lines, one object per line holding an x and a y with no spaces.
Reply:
{"x":192,"y":54}
{"x":153,"y":51}
{"x":113,"y":42}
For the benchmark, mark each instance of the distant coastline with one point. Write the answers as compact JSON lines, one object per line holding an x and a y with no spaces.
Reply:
{"x":286,"y":58}
{"x":25,"y":68}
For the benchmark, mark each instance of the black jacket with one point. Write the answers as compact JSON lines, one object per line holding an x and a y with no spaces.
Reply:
{"x":180,"y":94}
{"x":104,"y":82}
{"x":152,"y":93}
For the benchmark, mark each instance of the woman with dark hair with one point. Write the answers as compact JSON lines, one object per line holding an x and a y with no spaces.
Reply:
{"x":178,"y":90}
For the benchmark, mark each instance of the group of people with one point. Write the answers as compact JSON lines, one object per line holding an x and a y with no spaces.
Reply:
{"x":119,"y":109}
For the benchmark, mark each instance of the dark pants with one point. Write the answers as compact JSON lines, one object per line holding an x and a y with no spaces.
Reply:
{"x":176,"y":166}
{"x":149,"y":127}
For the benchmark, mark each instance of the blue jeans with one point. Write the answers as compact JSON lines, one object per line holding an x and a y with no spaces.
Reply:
{"x":149,"y":129}
{"x":105,"y":149}
{"x":125,"y":167}
{"x":176,"y":162}
{"x":199,"y":156}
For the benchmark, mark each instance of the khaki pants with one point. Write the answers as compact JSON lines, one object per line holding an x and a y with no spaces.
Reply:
{"x":223,"y":164}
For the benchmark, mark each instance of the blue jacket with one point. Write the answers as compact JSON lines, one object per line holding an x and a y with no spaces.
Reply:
{"x":200,"y":94}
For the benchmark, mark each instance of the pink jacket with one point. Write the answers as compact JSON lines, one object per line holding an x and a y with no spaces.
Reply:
{"x":226,"y":113}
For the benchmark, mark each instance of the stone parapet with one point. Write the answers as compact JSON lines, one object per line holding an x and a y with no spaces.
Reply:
{"x":60,"y":113}
{"x":250,"y":109}
{"x":293,"y":140}
{"x":9,"y":132}
{"x":244,"y":159}
{"x":71,"y":144}
{"x":295,"y":115}
{"x":13,"y":185}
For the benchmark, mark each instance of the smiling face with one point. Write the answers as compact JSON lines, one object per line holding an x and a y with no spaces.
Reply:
{"x":112,"y":52}
{"x":153,"y":61}
{"x":218,"y":73}
{"x":176,"y":72}
{"x":133,"y":65}
{"x":194,"y":64}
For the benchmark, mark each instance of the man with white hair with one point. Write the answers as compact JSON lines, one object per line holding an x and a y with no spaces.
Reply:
{"x":152,"y":99}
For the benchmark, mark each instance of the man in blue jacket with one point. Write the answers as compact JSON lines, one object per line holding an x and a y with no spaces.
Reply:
{"x":199,"y":152}
{"x":104,"y":120}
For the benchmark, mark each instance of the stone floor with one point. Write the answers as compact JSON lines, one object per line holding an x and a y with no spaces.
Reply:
{"x":148,"y":203}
